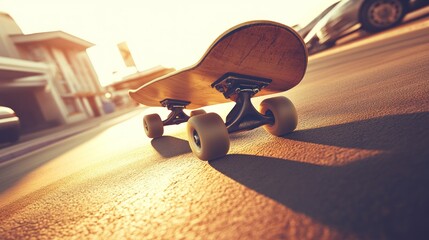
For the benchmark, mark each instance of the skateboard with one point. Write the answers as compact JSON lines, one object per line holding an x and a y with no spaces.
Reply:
{"x":253,"y":58}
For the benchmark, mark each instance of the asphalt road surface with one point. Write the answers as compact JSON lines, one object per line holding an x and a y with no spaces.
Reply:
{"x":357,"y":167}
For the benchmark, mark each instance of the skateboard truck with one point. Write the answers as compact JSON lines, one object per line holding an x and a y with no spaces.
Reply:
{"x":273,"y":56}
{"x":177,"y":115}
{"x":240,"y":89}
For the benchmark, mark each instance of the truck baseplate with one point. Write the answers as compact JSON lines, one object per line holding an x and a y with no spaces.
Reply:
{"x":240,"y":89}
{"x":177,"y":115}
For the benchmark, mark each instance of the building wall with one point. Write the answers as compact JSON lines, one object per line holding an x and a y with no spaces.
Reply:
{"x":73,"y":78}
{"x":72,"y":90}
{"x":27,"y":107}
{"x":88,"y":82}
{"x":74,"y":106}
{"x":49,"y":98}
{"x":8,"y":27}
{"x":60,"y":88}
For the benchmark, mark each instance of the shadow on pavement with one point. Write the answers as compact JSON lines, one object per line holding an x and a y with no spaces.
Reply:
{"x":384,"y":196}
{"x":398,"y":133}
{"x":170,"y":147}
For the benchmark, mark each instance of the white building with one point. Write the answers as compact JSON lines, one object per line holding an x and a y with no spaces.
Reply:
{"x":47,"y":78}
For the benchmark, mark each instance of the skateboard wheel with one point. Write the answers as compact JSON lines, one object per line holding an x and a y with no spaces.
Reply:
{"x":153,"y":125}
{"x":208,"y":136}
{"x":197,"y":112}
{"x":284,"y":113}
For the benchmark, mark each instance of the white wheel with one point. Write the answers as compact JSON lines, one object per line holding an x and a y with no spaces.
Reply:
{"x":197,"y":112}
{"x":153,"y":125}
{"x":208,"y":136}
{"x":284,"y":113}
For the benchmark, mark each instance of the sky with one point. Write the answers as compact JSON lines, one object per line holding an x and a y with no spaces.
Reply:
{"x":171,"y":33}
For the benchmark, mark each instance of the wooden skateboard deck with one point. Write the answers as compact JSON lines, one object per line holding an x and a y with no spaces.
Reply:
{"x":262,"y":49}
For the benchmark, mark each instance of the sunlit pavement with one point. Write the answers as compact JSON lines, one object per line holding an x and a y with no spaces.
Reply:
{"x":356,"y":167}
{"x":27,"y":144}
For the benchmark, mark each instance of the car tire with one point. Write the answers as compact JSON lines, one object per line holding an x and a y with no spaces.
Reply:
{"x":378,"y":15}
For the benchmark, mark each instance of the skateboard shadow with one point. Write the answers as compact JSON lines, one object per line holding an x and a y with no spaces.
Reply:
{"x":170,"y":147}
{"x":238,"y":135}
{"x":382,"y":196}
{"x":397,"y":133}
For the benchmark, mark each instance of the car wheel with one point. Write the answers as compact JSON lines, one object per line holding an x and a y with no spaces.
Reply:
{"x":378,"y":15}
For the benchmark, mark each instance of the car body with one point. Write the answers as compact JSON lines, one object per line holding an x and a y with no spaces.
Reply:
{"x":347,"y":15}
{"x":307,"y":28}
{"x":9,"y":125}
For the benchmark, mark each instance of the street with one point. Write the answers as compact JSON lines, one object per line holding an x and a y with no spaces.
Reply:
{"x":356,"y":167}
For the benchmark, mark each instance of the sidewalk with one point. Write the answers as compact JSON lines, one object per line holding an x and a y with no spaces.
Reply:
{"x":40,"y":139}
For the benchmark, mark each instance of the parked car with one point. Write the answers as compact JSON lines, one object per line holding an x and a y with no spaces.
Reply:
{"x":9,"y":125}
{"x":371,"y":15}
{"x":305,"y":30}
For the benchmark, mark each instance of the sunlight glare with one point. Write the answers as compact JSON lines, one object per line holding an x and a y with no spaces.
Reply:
{"x":168,"y":33}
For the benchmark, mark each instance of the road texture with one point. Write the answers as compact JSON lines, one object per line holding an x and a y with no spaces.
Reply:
{"x":357,"y":167}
